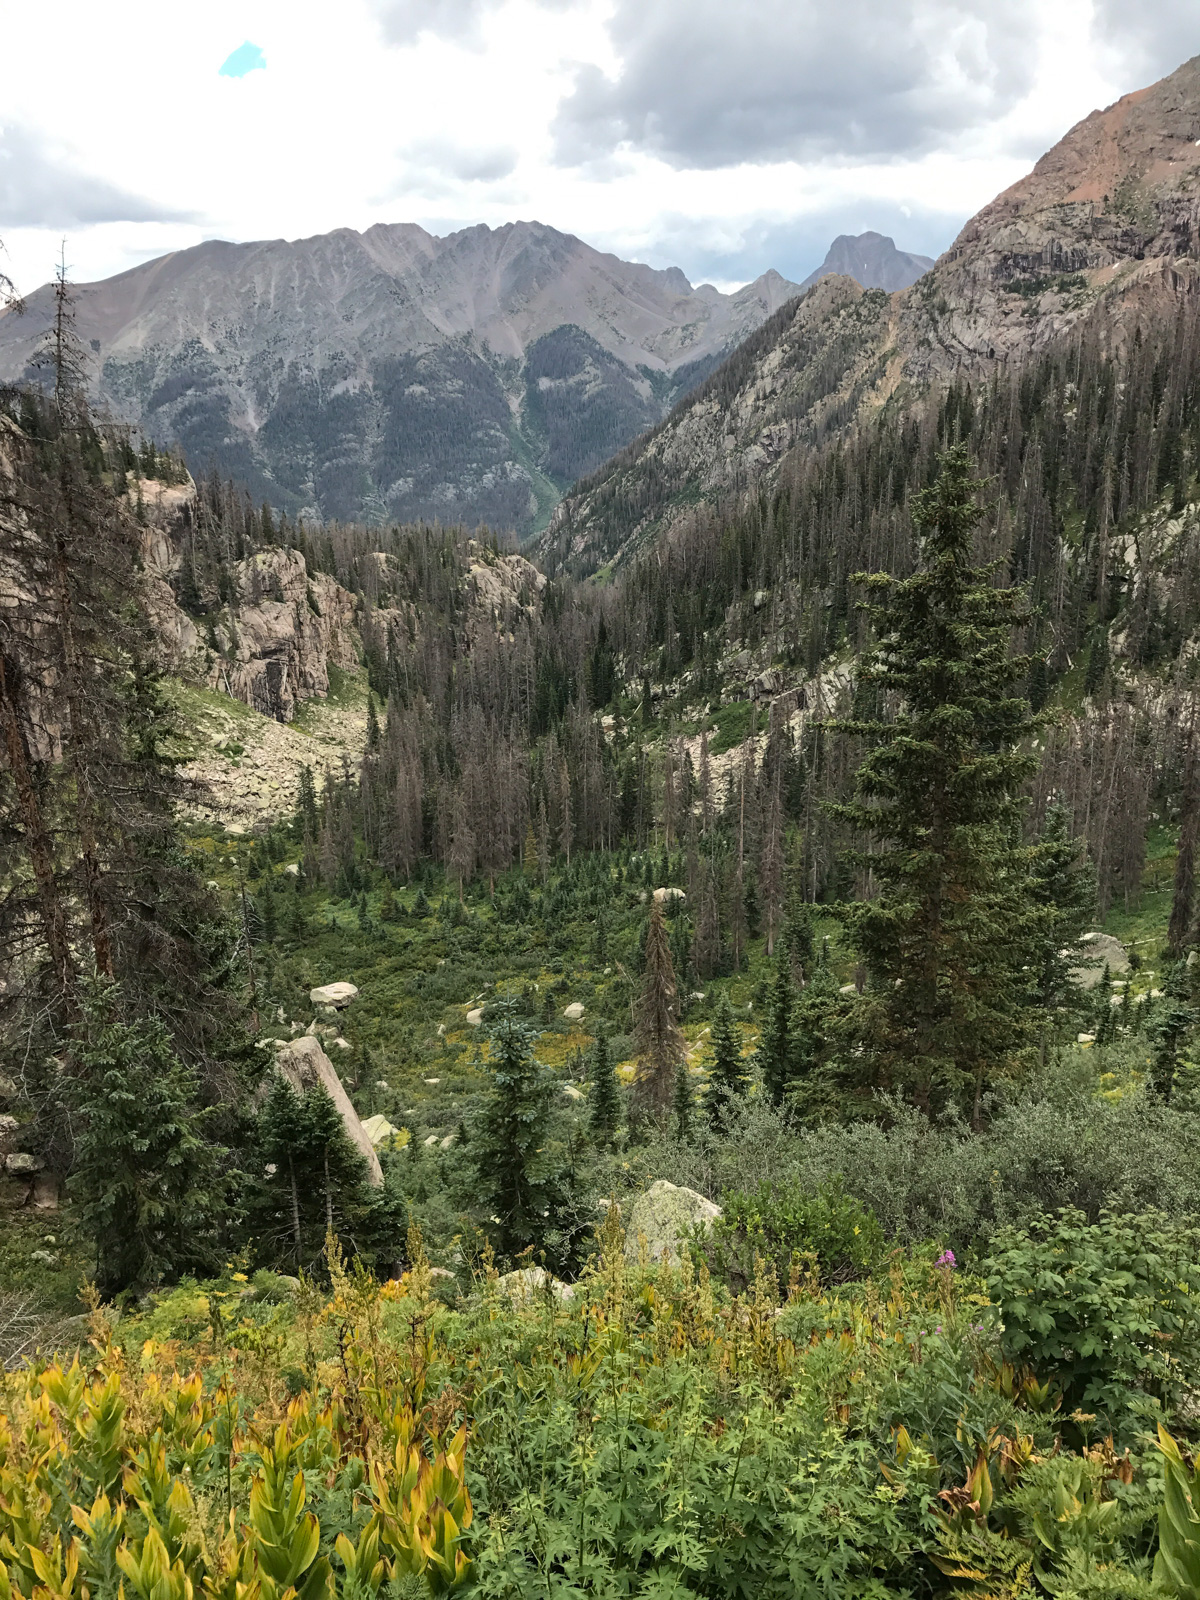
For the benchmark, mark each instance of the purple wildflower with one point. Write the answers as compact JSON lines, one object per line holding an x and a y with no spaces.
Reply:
{"x":946,"y":1259}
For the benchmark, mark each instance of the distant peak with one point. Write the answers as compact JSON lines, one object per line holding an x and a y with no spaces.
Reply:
{"x":872,"y":260}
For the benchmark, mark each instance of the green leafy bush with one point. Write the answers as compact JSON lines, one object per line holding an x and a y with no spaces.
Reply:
{"x":824,"y":1228}
{"x":1105,"y":1307}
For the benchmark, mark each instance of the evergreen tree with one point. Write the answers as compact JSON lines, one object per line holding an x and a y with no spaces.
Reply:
{"x":681,"y":1103}
{"x":154,"y":1196}
{"x":940,"y":794}
{"x":1171,"y":1022}
{"x":316,"y":1176}
{"x":519,"y":1180}
{"x":660,"y":1043}
{"x":1063,"y":884}
{"x":774,"y":1055}
{"x":604,"y":1103}
{"x":387,"y":903}
{"x":727,"y":1080}
{"x":268,"y":914}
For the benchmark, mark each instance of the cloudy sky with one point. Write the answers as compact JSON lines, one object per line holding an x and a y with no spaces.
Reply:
{"x":722,"y":136}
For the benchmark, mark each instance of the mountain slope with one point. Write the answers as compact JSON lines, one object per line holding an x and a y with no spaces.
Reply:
{"x":395,"y":375}
{"x":872,"y":260}
{"x":1103,"y":233}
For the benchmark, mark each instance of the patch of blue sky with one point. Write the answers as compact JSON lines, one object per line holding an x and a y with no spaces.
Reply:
{"x":246,"y":58}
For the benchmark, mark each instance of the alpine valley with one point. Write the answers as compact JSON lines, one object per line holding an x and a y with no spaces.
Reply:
{"x":599,"y":935}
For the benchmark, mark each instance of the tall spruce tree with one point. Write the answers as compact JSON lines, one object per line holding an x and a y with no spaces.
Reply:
{"x":604,"y":1103}
{"x":727,"y":1079}
{"x":682,"y":1103}
{"x":774,"y":1055}
{"x":659,"y":1041}
{"x":1063,"y":884}
{"x":155,"y":1196}
{"x":939,"y":797}
{"x":316,"y":1178}
{"x":520,"y":1177}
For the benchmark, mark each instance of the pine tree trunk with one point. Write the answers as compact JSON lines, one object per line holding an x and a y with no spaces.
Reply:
{"x":295,"y":1206}
{"x":41,"y":848}
{"x":1185,"y":862}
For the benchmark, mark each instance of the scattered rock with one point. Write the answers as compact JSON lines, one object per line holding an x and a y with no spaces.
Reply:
{"x":378,"y":1129}
{"x":343,"y":1044}
{"x":1099,"y":950}
{"x":336,"y":995}
{"x":304,"y":1064}
{"x":572,"y":1093}
{"x":475,"y":1017}
{"x":20,"y":1164}
{"x":448,"y":1141}
{"x":8,"y":1133}
{"x":430,"y":1140}
{"x":432,"y":1081}
{"x":8,"y":1090}
{"x":574,"y":1012}
{"x":521,"y":1286}
{"x":665,"y":1214}
{"x":293,"y":869}
{"x":662,"y":895}
{"x":44,"y":1194}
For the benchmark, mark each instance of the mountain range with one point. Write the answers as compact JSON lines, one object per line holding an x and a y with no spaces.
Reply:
{"x":1100,"y":239}
{"x":393,"y":375}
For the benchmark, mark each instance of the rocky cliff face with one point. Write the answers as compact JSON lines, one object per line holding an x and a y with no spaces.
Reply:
{"x":1105,"y":231}
{"x":272,"y":645}
{"x":392,"y":375}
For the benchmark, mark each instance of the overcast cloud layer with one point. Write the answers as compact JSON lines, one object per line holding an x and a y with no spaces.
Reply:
{"x":724,"y":138}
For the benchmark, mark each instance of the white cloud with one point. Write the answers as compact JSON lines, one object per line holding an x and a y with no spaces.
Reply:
{"x":762,"y":140}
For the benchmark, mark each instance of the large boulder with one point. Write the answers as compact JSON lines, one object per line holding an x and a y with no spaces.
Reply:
{"x":664,"y":1215}
{"x":378,"y":1129}
{"x":1097,"y":951}
{"x":337,"y":995}
{"x":521,"y":1286}
{"x":304,"y":1064}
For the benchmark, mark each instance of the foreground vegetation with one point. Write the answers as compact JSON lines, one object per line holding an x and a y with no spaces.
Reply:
{"x":651,"y":1434}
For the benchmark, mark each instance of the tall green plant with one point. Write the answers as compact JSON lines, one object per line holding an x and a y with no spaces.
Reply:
{"x":939,"y":797}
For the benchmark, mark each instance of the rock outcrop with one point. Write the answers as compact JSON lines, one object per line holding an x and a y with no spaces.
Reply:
{"x":276,"y":645}
{"x":665,"y":1216}
{"x":272,"y":644}
{"x":304,"y":1064}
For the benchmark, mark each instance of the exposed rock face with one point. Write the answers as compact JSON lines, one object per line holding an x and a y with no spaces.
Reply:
{"x":1105,"y":229}
{"x":288,"y":626}
{"x":872,"y":260}
{"x":274,"y":641}
{"x":664,"y":1216}
{"x":304,"y":1064}
{"x":393,"y":374}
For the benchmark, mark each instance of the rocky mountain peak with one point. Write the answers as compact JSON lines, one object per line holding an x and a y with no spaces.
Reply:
{"x":393,"y":375}
{"x":872,"y":260}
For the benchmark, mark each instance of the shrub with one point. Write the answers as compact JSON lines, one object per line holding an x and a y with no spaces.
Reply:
{"x":825,"y":1228}
{"x":1104,"y":1307}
